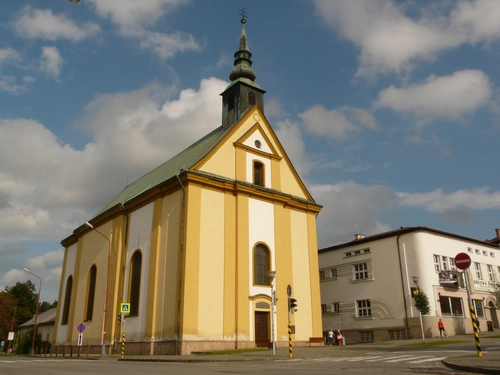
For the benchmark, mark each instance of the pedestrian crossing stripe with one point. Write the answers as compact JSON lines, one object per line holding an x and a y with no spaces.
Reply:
{"x":125,"y":308}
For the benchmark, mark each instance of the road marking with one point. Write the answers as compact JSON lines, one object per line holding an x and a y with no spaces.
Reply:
{"x":407,"y":358}
{"x":384,"y":358}
{"x":429,"y":360}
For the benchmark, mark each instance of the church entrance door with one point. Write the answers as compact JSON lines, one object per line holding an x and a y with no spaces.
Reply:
{"x":262,"y":329}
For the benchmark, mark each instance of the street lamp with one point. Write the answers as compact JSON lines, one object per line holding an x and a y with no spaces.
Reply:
{"x":103,"y":347}
{"x":12,"y":326}
{"x":415,"y":280}
{"x":272,"y":276}
{"x":36,"y":312}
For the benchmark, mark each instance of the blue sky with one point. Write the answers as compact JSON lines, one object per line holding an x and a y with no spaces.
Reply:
{"x":389,"y":110}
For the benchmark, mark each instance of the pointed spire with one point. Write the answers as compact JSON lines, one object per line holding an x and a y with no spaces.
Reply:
{"x":242,"y":63}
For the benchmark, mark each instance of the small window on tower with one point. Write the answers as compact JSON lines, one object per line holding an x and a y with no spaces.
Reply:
{"x":251,"y":98}
{"x":258,"y":173}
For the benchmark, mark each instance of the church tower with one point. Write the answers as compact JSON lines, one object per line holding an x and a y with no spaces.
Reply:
{"x":243,"y":93}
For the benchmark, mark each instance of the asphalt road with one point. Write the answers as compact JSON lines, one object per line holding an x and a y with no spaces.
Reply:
{"x":356,"y":359}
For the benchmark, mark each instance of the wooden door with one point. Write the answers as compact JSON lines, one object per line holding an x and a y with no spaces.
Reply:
{"x":262,"y":329}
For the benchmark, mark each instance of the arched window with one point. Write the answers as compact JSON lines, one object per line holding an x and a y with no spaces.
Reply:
{"x":135,"y":283}
{"x":261,"y":265}
{"x":89,"y":310}
{"x":258,"y":173}
{"x":67,"y":301}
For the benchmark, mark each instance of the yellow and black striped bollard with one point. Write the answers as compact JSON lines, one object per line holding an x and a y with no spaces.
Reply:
{"x":290,"y":354}
{"x":476,"y":334}
{"x":123,"y":345}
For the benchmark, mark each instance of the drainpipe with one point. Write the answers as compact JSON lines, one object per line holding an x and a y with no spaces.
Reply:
{"x":181,"y":263}
{"x":403,"y":288}
{"x":126,"y":226}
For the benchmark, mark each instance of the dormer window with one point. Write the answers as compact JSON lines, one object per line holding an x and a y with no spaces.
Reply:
{"x":258,"y":173}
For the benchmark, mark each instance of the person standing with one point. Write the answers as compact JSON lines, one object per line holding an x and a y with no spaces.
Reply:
{"x":339,"y":337}
{"x":441,"y":328}
{"x":330,"y":337}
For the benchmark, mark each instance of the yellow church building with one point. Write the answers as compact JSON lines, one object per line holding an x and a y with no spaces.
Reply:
{"x":189,"y":246}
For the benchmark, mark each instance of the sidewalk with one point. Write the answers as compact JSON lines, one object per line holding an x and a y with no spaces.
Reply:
{"x":489,"y":363}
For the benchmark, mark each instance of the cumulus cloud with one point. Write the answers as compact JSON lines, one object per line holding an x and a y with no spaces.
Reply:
{"x":44,"y":199}
{"x":51,"y":61}
{"x":392,"y":41}
{"x":43,"y":24}
{"x":437,"y":201}
{"x":447,"y":96}
{"x":47,"y":260}
{"x":290,"y":137}
{"x":350,"y":208}
{"x":8,"y":54}
{"x":337,"y":123}
{"x":133,"y":19}
{"x":47,"y":267}
{"x":9,"y":83}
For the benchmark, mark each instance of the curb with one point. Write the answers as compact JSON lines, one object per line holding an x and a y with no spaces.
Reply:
{"x":475,"y":370}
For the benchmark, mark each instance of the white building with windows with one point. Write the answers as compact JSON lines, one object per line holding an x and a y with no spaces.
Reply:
{"x":367,"y":284}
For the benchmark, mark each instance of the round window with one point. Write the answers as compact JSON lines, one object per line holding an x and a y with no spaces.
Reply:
{"x":258,"y":144}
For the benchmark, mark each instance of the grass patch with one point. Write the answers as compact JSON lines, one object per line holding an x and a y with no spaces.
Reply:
{"x":235,"y":351}
{"x":490,"y":337}
{"x":436,"y":343}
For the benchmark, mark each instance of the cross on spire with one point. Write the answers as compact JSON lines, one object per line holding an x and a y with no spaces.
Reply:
{"x":243,"y":15}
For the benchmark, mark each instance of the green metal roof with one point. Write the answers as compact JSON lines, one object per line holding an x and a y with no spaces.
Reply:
{"x":182,"y":161}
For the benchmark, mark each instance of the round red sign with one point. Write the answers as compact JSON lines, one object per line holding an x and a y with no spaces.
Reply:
{"x":462,"y":261}
{"x":80,"y":328}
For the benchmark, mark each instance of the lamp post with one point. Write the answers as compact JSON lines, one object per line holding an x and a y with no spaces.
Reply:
{"x":36,"y":311}
{"x":415,"y":280}
{"x":12,"y":325}
{"x":103,"y":347}
{"x":272,"y":276}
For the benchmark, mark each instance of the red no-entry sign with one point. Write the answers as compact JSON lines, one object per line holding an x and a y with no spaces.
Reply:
{"x":462,"y":261}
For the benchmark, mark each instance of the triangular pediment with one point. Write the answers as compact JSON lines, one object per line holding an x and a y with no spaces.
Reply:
{"x":254,"y":135}
{"x":257,"y":140}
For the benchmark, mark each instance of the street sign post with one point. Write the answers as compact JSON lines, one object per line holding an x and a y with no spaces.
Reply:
{"x":80,"y":328}
{"x":125,"y":308}
{"x":462,"y":261}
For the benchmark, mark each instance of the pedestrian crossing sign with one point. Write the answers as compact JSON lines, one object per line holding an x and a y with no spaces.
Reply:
{"x":125,"y":308}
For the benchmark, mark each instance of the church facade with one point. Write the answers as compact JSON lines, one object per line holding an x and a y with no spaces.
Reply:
{"x":189,"y":245}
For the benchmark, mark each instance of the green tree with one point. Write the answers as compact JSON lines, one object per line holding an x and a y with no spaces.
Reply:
{"x":422,"y":302}
{"x":26,"y":295}
{"x":7,"y":308}
{"x":45,"y":306}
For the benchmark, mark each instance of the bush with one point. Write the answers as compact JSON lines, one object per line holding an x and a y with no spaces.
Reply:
{"x":25,"y":341}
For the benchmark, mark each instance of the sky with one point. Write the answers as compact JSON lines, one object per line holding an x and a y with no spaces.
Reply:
{"x":389,"y":110}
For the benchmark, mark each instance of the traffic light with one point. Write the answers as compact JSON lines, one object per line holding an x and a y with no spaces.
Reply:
{"x":458,"y":279}
{"x":292,"y":303}
{"x":119,"y":317}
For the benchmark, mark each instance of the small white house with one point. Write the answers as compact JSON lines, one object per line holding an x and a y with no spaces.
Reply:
{"x":367,"y":284}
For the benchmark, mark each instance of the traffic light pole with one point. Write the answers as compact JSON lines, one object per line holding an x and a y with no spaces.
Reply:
{"x":472,"y":315}
{"x":290,"y":350}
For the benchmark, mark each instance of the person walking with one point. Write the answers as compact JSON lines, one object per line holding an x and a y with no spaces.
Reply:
{"x":339,"y":337}
{"x":330,"y":337}
{"x":442,"y":331}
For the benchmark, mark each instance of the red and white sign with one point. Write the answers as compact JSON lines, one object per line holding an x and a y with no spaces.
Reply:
{"x":462,"y":261}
